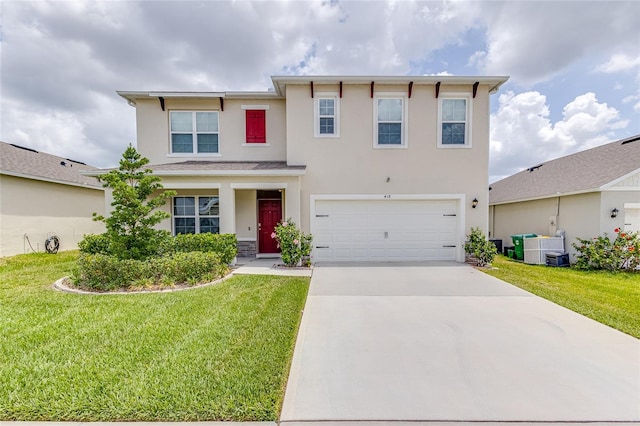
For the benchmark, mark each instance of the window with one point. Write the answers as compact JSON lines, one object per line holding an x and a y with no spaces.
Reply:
{"x":256,"y":126}
{"x":454,"y":118}
{"x":390,"y":122}
{"x":194,"y":132}
{"x":327,"y":115}
{"x":189,"y":220}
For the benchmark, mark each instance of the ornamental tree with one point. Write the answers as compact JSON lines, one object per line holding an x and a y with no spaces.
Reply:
{"x":137,"y":194}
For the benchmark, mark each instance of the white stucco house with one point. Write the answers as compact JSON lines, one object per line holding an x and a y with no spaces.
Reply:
{"x":585,"y":194}
{"x":378,"y":168}
{"x":43,"y":195}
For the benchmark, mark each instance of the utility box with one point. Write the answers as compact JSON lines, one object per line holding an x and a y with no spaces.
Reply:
{"x":498,"y":243}
{"x":557,"y":259}
{"x":536,"y":249}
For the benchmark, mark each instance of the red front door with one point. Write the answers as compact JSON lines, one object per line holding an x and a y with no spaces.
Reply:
{"x":269,"y":214}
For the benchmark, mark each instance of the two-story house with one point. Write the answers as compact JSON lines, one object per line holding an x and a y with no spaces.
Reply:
{"x":376,"y":168}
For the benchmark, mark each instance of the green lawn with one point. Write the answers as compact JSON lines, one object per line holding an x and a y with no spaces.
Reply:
{"x":215,"y":353}
{"x":610,"y":298}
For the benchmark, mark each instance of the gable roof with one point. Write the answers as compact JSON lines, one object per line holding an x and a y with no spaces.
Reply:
{"x":585,"y":171}
{"x":221,"y":168}
{"x":28,"y":163}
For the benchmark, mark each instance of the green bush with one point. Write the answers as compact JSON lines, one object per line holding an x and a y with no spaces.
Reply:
{"x":225,"y":245}
{"x":94,"y":244}
{"x":621,"y":253}
{"x":481,"y":248}
{"x":106,"y":273}
{"x":292,"y":242}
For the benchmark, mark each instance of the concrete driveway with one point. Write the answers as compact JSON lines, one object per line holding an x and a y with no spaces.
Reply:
{"x":445,"y":342}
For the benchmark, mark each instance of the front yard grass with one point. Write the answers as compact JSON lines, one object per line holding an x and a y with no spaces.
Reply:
{"x":610,"y":298}
{"x":214,"y":353}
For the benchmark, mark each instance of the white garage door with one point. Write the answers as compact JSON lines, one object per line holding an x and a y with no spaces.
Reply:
{"x":385,"y":230}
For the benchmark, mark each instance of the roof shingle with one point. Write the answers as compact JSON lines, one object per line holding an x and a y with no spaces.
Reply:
{"x":580,"y":172}
{"x":27,"y":162}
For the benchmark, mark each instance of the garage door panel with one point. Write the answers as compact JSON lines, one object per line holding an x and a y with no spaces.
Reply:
{"x":385,"y":230}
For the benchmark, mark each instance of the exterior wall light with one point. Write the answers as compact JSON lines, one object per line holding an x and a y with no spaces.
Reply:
{"x":474,"y":203}
{"x":614,"y":213}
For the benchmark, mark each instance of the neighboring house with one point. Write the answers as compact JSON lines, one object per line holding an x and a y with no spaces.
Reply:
{"x":376,"y":168}
{"x":585,"y":194}
{"x":42,"y":195}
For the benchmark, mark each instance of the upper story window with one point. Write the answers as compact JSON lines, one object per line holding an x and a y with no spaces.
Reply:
{"x":454,"y":118}
{"x":326,"y":115}
{"x":390,"y":121}
{"x":194,"y":132}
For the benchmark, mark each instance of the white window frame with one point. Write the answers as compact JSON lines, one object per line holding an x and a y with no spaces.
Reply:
{"x":468,"y":97}
{"x":196,"y":214}
{"x":194,"y":134}
{"x":336,"y":114}
{"x":405,"y":120}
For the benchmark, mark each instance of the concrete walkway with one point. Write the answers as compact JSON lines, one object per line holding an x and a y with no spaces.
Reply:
{"x":414,"y":343}
{"x":267,"y":266}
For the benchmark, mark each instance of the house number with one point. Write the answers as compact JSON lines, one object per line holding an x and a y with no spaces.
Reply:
{"x":387,"y":196}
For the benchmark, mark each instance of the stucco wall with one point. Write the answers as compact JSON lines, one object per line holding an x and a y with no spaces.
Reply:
{"x":578,"y":215}
{"x":616,"y":199}
{"x":153,"y":131}
{"x":350,"y":164}
{"x":41,"y":209}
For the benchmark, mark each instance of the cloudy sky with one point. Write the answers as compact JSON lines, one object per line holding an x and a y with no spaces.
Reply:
{"x":574,"y":66}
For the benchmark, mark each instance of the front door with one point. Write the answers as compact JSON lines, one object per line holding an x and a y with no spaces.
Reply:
{"x":269,"y":214}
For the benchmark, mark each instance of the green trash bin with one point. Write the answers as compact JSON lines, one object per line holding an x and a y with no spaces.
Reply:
{"x":518,"y":244}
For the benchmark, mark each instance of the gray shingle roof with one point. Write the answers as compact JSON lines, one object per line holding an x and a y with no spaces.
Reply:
{"x":225,"y":165}
{"x":29,"y":163}
{"x":580,"y":172}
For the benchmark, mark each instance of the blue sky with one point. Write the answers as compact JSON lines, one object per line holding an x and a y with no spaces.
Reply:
{"x":574,"y":66}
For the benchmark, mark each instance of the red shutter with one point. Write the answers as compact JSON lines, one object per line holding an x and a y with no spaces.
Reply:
{"x":256,"y":127}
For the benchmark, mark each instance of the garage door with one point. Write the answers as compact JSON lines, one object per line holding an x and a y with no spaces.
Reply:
{"x":385,"y":230}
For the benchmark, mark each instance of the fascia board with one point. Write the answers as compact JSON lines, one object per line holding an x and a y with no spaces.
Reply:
{"x":44,"y":179}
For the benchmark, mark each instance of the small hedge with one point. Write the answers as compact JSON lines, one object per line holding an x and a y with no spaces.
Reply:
{"x":225,"y":245}
{"x":106,"y":273}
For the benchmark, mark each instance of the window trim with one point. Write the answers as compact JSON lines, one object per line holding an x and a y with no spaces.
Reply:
{"x":336,"y":114}
{"x":194,"y":134}
{"x":405,"y":119}
{"x":196,"y":215}
{"x":467,"y":96}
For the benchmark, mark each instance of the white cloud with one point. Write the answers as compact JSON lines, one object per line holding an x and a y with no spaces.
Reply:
{"x":523,"y":135}
{"x":623,"y":63}
{"x":535,"y":41}
{"x":619,"y":62}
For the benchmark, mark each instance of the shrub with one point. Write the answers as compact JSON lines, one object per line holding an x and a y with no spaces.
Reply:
{"x":478,"y":245}
{"x":621,"y":253}
{"x":225,"y":245}
{"x":292,"y":242}
{"x":94,"y":244}
{"x":106,"y":273}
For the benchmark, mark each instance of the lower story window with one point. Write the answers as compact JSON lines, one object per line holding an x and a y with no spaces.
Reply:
{"x":187,"y":219}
